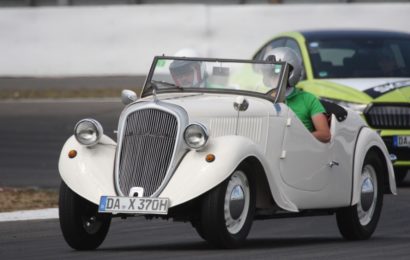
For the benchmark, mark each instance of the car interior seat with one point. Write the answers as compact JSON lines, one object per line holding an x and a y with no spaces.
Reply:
{"x":361,"y":64}
{"x":332,"y":108}
{"x":321,"y":68}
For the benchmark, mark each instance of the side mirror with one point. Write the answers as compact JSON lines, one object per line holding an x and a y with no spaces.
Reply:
{"x":128,"y":96}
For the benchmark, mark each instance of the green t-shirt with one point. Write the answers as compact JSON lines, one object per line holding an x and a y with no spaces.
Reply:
{"x":305,"y":105}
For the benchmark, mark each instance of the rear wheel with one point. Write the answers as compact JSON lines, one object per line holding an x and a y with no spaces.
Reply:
{"x":358,"y":222}
{"x":227,"y":211}
{"x":82,"y":226}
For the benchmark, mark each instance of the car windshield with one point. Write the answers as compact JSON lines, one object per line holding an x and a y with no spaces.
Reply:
{"x":360,"y":58}
{"x":169,"y":74}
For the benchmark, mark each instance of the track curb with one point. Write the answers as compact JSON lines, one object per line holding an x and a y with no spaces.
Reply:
{"x":36,"y":214}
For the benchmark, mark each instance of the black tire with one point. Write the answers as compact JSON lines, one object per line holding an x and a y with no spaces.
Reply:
{"x":82,"y":226}
{"x":215,"y":215}
{"x":198,"y":227}
{"x":400,"y":174}
{"x":360,"y":226}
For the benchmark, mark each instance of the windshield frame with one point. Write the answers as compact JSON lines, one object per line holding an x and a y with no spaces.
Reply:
{"x":147,"y":89}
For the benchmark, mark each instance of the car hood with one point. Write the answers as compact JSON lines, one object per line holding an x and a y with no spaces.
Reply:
{"x":361,"y":90}
{"x":363,"y":84}
{"x":217,"y":113}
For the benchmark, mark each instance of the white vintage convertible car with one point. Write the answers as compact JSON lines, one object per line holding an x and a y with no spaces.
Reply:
{"x":220,"y":150}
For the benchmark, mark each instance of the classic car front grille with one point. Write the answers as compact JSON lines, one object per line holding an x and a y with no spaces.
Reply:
{"x":147,"y":148}
{"x":388,"y":116}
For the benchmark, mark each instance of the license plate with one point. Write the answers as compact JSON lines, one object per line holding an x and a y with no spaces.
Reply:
{"x":136,"y":205}
{"x":401,"y":141}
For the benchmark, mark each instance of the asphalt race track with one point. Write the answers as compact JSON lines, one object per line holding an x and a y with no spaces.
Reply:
{"x":31,"y":136}
{"x":298,"y":238}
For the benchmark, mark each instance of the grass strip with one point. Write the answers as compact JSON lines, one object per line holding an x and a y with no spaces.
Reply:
{"x":14,"y":199}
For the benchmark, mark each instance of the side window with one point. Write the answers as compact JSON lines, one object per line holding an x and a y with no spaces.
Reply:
{"x":290,"y":43}
{"x":273,"y":44}
{"x":294,"y":46}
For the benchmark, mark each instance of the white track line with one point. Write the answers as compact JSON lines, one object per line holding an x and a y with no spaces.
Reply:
{"x":50,"y":213}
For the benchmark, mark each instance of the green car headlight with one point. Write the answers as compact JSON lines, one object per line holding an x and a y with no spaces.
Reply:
{"x":88,"y":132}
{"x":353,"y":106}
{"x":196,"y":136}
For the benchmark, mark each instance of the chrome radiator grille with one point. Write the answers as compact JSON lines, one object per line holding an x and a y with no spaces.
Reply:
{"x":388,"y":116}
{"x":147,"y":149}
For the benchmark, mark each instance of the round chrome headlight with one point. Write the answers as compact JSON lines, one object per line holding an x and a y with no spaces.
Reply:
{"x":196,"y":136}
{"x":88,"y":131}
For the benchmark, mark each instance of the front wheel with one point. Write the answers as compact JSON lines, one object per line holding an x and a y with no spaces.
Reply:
{"x":358,"y":222}
{"x":82,"y":226}
{"x":227,"y":211}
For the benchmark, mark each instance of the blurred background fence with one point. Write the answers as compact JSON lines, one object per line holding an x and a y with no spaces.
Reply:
{"x":223,"y":2}
{"x":64,"y":38}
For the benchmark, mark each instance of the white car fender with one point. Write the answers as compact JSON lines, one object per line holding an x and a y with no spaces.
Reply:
{"x":195,"y":176}
{"x":369,"y":138}
{"x":90,"y":173}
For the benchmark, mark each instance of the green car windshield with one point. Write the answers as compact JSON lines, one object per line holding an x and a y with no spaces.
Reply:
{"x":169,"y":74}
{"x":360,"y":58}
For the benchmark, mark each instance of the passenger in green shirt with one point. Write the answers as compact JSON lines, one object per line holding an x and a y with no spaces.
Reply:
{"x":305,"y":105}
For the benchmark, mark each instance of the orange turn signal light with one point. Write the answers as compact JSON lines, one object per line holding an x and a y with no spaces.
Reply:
{"x":72,"y":154}
{"x":210,"y":157}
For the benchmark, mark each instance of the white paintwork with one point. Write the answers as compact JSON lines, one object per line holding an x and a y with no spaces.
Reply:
{"x":365,"y":83}
{"x":305,"y":178}
{"x":195,"y":176}
{"x":217,"y":113}
{"x":311,"y":173}
{"x":296,"y":164}
{"x":90,"y":174}
{"x":367,"y":139}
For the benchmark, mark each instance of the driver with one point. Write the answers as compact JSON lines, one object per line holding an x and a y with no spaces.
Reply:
{"x":187,"y":73}
{"x":305,"y":105}
{"x":387,"y":64}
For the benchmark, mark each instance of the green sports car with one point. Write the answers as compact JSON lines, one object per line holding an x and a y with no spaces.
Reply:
{"x":367,"y":71}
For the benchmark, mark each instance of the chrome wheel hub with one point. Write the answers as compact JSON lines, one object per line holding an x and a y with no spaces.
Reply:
{"x":237,"y":198}
{"x":368,"y":195}
{"x":91,"y":224}
{"x":236,"y":202}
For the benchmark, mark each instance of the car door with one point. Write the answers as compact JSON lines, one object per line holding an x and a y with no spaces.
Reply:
{"x":317,"y":175}
{"x":304,"y":163}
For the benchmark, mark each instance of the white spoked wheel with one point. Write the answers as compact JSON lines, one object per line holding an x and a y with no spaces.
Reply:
{"x":227,"y":211}
{"x":359,"y":221}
